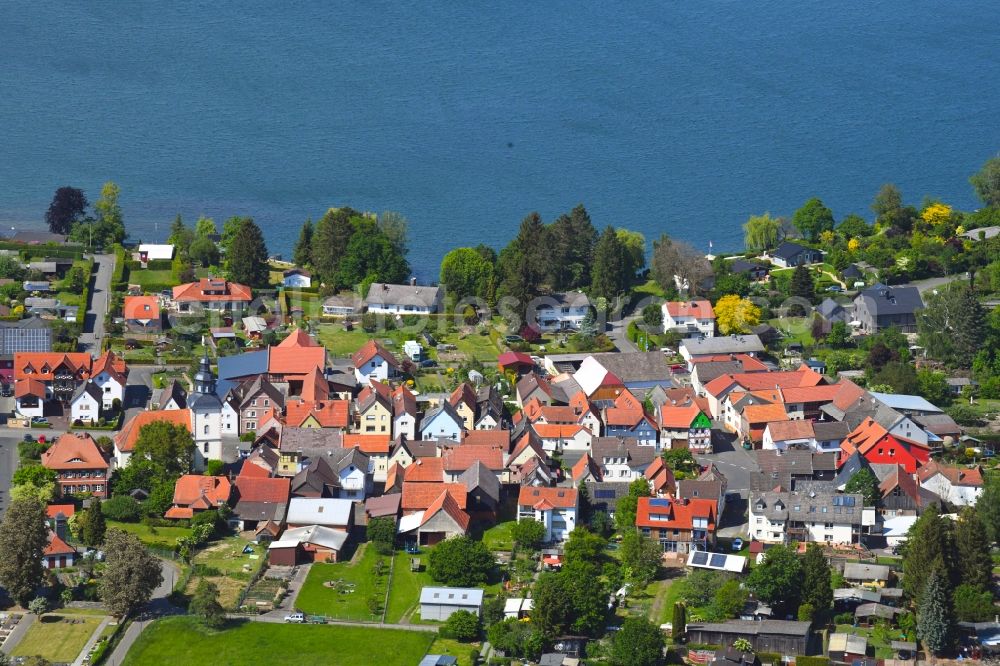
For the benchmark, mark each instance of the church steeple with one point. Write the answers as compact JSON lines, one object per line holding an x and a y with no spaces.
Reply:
{"x":204,"y":379}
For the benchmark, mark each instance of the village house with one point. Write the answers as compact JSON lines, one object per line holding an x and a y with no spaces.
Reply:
{"x":959,"y":486}
{"x":880,"y":307}
{"x":621,"y":460}
{"x":555,"y":508}
{"x":212,"y":294}
{"x":442,"y":423}
{"x":694,"y":349}
{"x":556,"y":438}
{"x":147,"y":252}
{"x":85,"y":405}
{"x":259,"y":500}
{"x":685,"y":428}
{"x":678,"y":525}
{"x":403,"y":298}
{"x":142,"y":314}
{"x":302,"y":545}
{"x":559,"y":311}
{"x":442,"y":519}
{"x":79,"y":465}
{"x":373,"y":362}
{"x":126,"y":438}
{"x":374,"y":410}
{"x":296,"y":278}
{"x":784,"y":637}
{"x":404,"y":413}
{"x":40,"y":377}
{"x":694,"y":318}
{"x":790,"y":255}
{"x":804,"y":516}
{"x":878,"y":446}
{"x":336,"y":514}
{"x":196,"y":492}
{"x":342,"y":305}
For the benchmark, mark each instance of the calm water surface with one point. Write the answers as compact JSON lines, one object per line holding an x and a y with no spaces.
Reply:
{"x":660,"y":116}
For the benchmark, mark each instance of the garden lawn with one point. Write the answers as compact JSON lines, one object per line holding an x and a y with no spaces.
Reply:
{"x":795,"y":329}
{"x":341,"y":342}
{"x":499,"y":536}
{"x":459,"y":650}
{"x":406,"y":585}
{"x":157,"y":537}
{"x":182,"y":640}
{"x":57,"y":638}
{"x":351,"y":601}
{"x":151,"y":279}
{"x":881,"y":643}
{"x":225,"y":564}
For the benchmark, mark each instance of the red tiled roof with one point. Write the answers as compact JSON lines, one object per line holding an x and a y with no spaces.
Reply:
{"x":464,"y":393}
{"x":460,"y":458}
{"x":425,"y":470}
{"x":678,"y":418}
{"x":191,"y":489}
{"x":40,"y":365}
{"x":824,"y":393}
{"x":678,"y":514}
{"x":125,"y":440}
{"x":315,"y":386}
{"x":297,"y":339}
{"x":446,"y":502}
{"x":765,"y":413}
{"x":141,"y":307}
{"x":749,"y":363}
{"x":699,"y":309}
{"x":329,"y":414}
{"x":563,"y":498}
{"x":179,"y":513}
{"x":556,"y":430}
{"x":958,"y":476}
{"x":510,"y":358}
{"x":660,"y":476}
{"x":57,"y":546}
{"x":497,"y":438}
{"x":377,"y":444}
{"x":32,"y":387}
{"x":419,"y":496}
{"x":250,"y":469}
{"x":403,"y":401}
{"x":785,"y":430}
{"x":52,"y":510}
{"x":253,"y":489}
{"x":583,"y":466}
{"x":112,"y":364}
{"x":194,"y":291}
{"x":295,"y":359}
{"x":755,"y":381}
{"x":72,"y":452}
{"x":371,"y":349}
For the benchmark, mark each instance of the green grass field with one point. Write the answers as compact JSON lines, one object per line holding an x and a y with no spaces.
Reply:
{"x":406,"y":586}
{"x":151,"y":278}
{"x":182,"y":640}
{"x":349,"y":601}
{"x":459,"y":650}
{"x":499,"y":536}
{"x":57,"y":638}
{"x":234,"y":567}
{"x":158,"y":537}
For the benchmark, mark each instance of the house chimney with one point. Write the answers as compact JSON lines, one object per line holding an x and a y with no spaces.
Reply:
{"x":59,"y":525}
{"x":413,"y":282}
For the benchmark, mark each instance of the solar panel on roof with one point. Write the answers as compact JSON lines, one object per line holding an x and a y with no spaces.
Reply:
{"x":659,"y":502}
{"x":604,"y":494}
{"x":699,"y":558}
{"x":718,"y":561}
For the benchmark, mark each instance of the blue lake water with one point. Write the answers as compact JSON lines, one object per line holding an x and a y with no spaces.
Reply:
{"x":660,"y":116}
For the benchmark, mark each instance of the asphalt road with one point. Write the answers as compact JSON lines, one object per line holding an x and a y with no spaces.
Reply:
{"x":100,"y":292}
{"x":8,"y":462}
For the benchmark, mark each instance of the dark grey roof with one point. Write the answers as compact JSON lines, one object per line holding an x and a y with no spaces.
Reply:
{"x":854,"y":464}
{"x":696,"y":489}
{"x":636,"y":366}
{"x":882,"y":300}
{"x":939,"y":424}
{"x":830,"y":430}
{"x":852,"y":271}
{"x":260,"y":510}
{"x":258,"y":385}
{"x":381,"y":293}
{"x":830,"y":309}
{"x":576,"y":299}
{"x":604,"y":495}
{"x":175,"y":391}
{"x":788,"y":250}
{"x":89,"y":388}
{"x":753,"y":627}
{"x":311,"y":442}
{"x":35,"y":237}
{"x":418,"y":448}
{"x":204,"y":402}
{"x":708,"y":371}
{"x":246,"y":364}
{"x":743,"y":266}
{"x":731,"y":344}
{"x":384,"y":505}
{"x":317,"y":477}
{"x":480,"y":476}
{"x":830,"y":506}
{"x":621,"y":447}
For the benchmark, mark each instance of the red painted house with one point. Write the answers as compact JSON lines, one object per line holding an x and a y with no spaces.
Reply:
{"x":878,"y":446}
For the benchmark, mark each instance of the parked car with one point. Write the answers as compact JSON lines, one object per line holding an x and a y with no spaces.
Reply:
{"x":295,"y":618}
{"x":39,"y":420}
{"x":428,"y":363}
{"x":835,"y":288}
{"x":513,"y":338}
{"x":29,"y":438}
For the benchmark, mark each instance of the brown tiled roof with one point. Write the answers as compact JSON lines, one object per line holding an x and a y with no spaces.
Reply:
{"x":532,"y":496}
{"x":419,"y":496}
{"x":425,"y":470}
{"x":446,"y":502}
{"x":125,"y":440}
{"x":72,"y":451}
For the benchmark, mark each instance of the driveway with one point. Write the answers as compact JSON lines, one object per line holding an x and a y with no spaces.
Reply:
{"x":97,"y":307}
{"x":933,"y":283}
{"x":8,"y":462}
{"x":617,"y":333}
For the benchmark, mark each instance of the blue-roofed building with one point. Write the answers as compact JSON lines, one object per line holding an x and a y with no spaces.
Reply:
{"x":243,"y":366}
{"x":438,"y":660}
{"x":908,"y":404}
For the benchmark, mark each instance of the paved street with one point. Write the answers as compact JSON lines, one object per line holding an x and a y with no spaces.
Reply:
{"x":157,"y":607}
{"x":8,"y":462}
{"x":100,"y":292}
{"x":733,"y":461}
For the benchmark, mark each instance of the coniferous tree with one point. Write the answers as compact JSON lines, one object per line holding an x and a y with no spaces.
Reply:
{"x":680,"y":620}
{"x":929,"y":543}
{"x":331,"y":236}
{"x":608,"y":275}
{"x":816,"y":588}
{"x":934,"y":613}
{"x":802,"y":285}
{"x":180,"y":236}
{"x":205,"y":604}
{"x":93,"y":524}
{"x":302,"y":254}
{"x":571,"y":240}
{"x":522,"y":264}
{"x":988,"y":508}
{"x":247,"y":257}
{"x":975,"y":565}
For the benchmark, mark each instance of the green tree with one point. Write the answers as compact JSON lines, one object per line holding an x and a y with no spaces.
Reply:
{"x":205,"y":605}
{"x":806,"y":613}
{"x":204,"y":251}
{"x":761,"y":232}
{"x":935,"y":622}
{"x":634,"y":246}
{"x":23,"y":538}
{"x":986,"y":182}
{"x":131,"y":574}
{"x":34,"y":474}
{"x":639,"y":642}
{"x":92,"y":531}
{"x":382,"y":534}
{"x":371,"y":257}
{"x":652,"y":316}
{"x":394,"y":227}
{"x":572,"y":600}
{"x":109,"y":226}
{"x":988,"y":507}
{"x":802,"y":284}
{"x":973,"y":604}
{"x":817,"y":590}
{"x":121,"y":508}
{"x":679,"y":623}
{"x":571,"y":240}
{"x":743,"y":645}
{"x":247,"y":256}
{"x":899,"y":375}
{"x":888,"y":203}
{"x":180,"y":236}
{"x":69,"y":205}
{"x":854,"y":226}
{"x":229,"y":230}
{"x":462,"y":626}
{"x":626,"y":507}
{"x":865,"y":483}
{"x":839,"y":335}
{"x":952,"y":325}
{"x":972,"y":549}
{"x":466,"y":272}
{"x":813,"y":219}
{"x":641,"y":557}
{"x":460,"y":561}
{"x":676,"y":264}
{"x":933,"y":385}
{"x":930,"y":543}
{"x":302,"y":254}
{"x":729,"y":600}
{"x":583,"y":546}
{"x":521,"y":265}
{"x":167,"y":446}
{"x":330,"y":239}
{"x":608,"y":276}
{"x":777,"y":580}
{"x":205,"y":227}
{"x":528,"y":533}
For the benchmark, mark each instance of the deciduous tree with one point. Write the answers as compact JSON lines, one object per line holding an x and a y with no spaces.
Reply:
{"x":69,"y":205}
{"x":761,"y":232}
{"x":813,"y":219}
{"x":641,"y":557}
{"x":528,"y":533}
{"x":131,"y":574}
{"x":853,"y":226}
{"x":461,"y":561}
{"x":735,"y":315}
{"x":23,"y":538}
{"x":466,"y":272}
{"x":865,"y":483}
{"x":677,"y":262}
{"x":462,"y":626}
{"x":778,"y":578}
{"x":986,"y":182}
{"x":639,"y":642}
{"x":382,"y":533}
{"x":205,"y":604}
{"x":205,"y":227}
{"x":167,"y":446}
